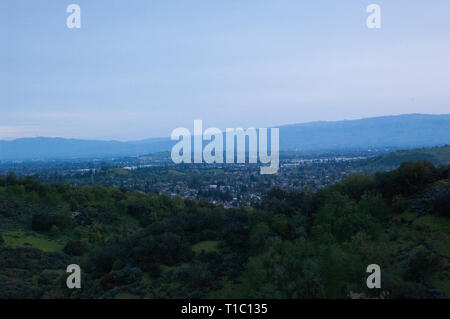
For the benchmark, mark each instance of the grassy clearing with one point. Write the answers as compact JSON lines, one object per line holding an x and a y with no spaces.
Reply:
{"x":126,"y":295}
{"x":434,"y":223}
{"x":15,"y":239}
{"x":165,"y":268}
{"x":437,"y":229}
{"x":206,"y":246}
{"x":231,"y":290}
{"x":146,"y":278}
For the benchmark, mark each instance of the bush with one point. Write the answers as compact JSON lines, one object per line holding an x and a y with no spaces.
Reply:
{"x":11,"y":179}
{"x":420,"y":263}
{"x":75,"y":247}
{"x":356,"y":185}
{"x":103,"y":259}
{"x":442,"y":202}
{"x":410,"y":178}
{"x":41,"y":222}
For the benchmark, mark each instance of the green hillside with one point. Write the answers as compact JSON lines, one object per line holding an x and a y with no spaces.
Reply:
{"x":293,"y":245}
{"x":436,"y":155}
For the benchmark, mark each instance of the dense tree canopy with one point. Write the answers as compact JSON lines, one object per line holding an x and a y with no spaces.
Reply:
{"x":293,"y":245}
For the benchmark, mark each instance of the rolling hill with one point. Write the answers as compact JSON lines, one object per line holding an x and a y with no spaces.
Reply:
{"x":439,"y":156}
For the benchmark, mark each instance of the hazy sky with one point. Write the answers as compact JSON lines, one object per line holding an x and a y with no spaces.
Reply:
{"x":140,"y":68}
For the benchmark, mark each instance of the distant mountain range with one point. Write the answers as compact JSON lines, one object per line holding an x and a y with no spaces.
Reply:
{"x":402,"y":131}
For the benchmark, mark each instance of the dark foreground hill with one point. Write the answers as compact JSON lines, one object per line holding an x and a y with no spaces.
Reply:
{"x":294,"y":245}
{"x":403,"y":131}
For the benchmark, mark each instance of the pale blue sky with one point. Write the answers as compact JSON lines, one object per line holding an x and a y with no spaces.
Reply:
{"x":140,"y":68}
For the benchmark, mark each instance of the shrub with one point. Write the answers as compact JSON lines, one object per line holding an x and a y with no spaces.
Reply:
{"x":442,"y":202}
{"x":41,"y":222}
{"x":75,"y":247}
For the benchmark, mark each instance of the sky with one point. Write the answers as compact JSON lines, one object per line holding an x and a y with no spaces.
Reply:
{"x":140,"y":68}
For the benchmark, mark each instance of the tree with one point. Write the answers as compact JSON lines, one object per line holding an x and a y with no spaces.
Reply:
{"x":408,"y":179}
{"x":75,"y":247}
{"x":341,"y":217}
{"x":287,"y":269}
{"x":258,"y":235}
{"x":41,"y":222}
{"x":11,"y":179}
{"x":356,"y":185}
{"x":442,"y":202}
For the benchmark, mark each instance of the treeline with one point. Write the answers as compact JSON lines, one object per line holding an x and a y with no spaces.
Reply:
{"x":293,"y":245}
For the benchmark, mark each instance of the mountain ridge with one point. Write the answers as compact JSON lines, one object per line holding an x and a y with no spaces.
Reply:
{"x":405,"y":131}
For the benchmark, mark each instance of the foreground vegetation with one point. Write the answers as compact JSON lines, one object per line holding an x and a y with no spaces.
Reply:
{"x":293,"y":245}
